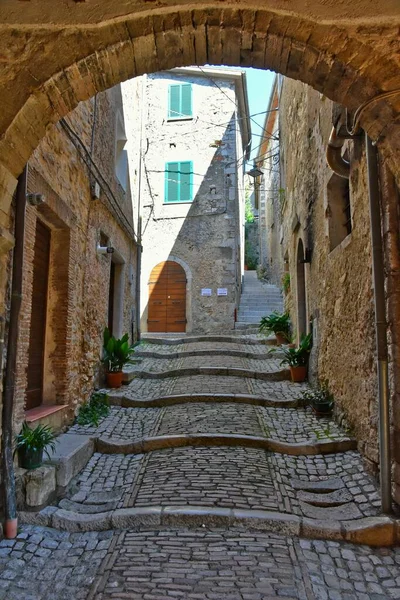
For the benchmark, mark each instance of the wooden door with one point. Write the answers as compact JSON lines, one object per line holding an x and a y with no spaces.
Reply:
{"x":37,"y":336}
{"x":167,"y":298}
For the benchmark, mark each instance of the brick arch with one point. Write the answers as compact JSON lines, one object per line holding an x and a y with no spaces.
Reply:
{"x":347,"y":67}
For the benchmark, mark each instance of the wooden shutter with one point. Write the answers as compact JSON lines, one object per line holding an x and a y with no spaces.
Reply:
{"x":186,"y":100}
{"x":185,"y":181}
{"x":179,"y":100}
{"x":174,"y":100}
{"x":179,"y":181}
{"x":172,"y":182}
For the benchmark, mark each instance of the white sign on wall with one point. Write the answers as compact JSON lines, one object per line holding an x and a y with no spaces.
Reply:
{"x":206,"y":291}
{"x":222,"y":292}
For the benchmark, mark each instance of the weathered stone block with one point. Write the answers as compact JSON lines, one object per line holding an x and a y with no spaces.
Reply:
{"x":40,"y":484}
{"x":70,"y":456}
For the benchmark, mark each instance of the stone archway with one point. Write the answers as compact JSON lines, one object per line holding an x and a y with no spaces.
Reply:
{"x":348,"y":54}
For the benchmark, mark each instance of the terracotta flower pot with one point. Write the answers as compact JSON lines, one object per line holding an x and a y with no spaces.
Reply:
{"x":280,"y":339}
{"x":114,"y":379}
{"x":298,"y":374}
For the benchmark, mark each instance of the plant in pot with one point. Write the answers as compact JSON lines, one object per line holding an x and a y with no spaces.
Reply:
{"x":277,"y":323}
{"x":297,"y":359}
{"x":32,"y":443}
{"x":320,"y":399}
{"x":116,"y":354}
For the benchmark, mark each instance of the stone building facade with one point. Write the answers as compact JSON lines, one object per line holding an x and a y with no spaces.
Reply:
{"x":194,"y":137}
{"x":325,"y":247}
{"x":71,"y":288}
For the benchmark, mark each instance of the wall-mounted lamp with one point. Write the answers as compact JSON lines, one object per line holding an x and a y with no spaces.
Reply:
{"x":254,"y":172}
{"x":104,"y":249}
{"x":36,"y":199}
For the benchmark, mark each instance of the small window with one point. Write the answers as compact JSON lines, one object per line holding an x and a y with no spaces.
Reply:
{"x":178,"y":182}
{"x":180,"y":101}
{"x":339,"y":210}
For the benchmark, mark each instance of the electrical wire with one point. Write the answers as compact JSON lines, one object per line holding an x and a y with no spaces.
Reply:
{"x":88,"y":160}
{"x":363,"y":107}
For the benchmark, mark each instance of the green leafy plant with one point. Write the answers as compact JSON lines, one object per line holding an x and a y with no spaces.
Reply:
{"x":320,"y":398}
{"x":286,"y":282}
{"x":116,"y":352}
{"x":298,"y":357}
{"x":96,"y":408}
{"x":276,"y":323}
{"x":31,"y":443}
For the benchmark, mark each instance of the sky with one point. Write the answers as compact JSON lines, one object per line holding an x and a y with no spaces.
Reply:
{"x":259,"y":84}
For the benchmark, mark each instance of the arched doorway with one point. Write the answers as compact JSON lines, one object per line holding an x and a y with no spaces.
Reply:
{"x":167,"y":298}
{"x":301,"y":292}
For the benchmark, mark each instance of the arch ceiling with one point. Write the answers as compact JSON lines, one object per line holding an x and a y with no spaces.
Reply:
{"x":55,"y":54}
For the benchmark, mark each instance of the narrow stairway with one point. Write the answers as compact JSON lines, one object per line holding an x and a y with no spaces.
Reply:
{"x":257,"y":300}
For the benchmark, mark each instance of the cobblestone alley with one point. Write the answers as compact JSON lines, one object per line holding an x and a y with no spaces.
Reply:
{"x":210,"y":481}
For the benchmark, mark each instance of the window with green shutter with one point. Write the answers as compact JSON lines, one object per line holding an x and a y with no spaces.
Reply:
{"x":179,"y":181}
{"x":180,"y":101}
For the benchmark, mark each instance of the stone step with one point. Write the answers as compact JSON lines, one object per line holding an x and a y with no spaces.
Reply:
{"x":71,"y":454}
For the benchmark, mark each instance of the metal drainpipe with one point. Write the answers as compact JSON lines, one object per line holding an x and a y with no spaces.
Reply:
{"x":380,"y":327}
{"x":10,"y":504}
{"x":335,"y":160}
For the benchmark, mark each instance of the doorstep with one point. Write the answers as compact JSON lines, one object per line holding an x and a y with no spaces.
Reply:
{"x":47,"y":414}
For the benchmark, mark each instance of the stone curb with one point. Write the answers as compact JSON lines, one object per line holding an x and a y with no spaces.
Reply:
{"x":162,"y":442}
{"x":237,"y":339}
{"x":211,"y":352}
{"x":173,"y":399}
{"x":282,"y":375}
{"x":372,"y":531}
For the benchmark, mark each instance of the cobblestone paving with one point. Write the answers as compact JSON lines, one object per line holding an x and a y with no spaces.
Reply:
{"x":212,"y":385}
{"x":123,"y":423}
{"x":346,"y":465}
{"x":298,"y":425}
{"x":210,"y":418}
{"x":230,"y":477}
{"x":280,"y":390}
{"x":45,"y":564}
{"x":235,"y":564}
{"x":204,"y":346}
{"x":160,"y":365}
{"x":200,"y":563}
{"x":145,"y":389}
{"x":104,"y":472}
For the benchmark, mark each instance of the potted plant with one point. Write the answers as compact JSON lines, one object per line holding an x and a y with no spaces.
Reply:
{"x":297,"y":359}
{"x":31,"y":443}
{"x":116,"y":354}
{"x":277,"y":323}
{"x":320,"y":399}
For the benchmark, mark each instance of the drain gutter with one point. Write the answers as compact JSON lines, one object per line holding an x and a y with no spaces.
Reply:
{"x":380,"y":326}
{"x":334,"y":158}
{"x":10,"y":504}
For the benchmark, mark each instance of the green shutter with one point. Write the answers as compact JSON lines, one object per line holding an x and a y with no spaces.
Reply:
{"x":186,"y":181}
{"x":178,"y":182}
{"x":186,"y":100}
{"x":179,"y":101}
{"x":174,"y":101}
{"x":172,"y":182}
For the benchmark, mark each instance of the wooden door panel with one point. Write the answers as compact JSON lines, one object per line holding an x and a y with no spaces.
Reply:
{"x":167,"y":298}
{"x":37,"y":334}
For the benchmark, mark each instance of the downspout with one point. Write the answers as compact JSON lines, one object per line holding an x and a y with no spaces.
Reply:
{"x":337,"y":163}
{"x":10,"y":504}
{"x":380,"y":327}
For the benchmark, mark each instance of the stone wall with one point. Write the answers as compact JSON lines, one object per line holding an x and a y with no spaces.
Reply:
{"x":202,"y":235}
{"x":338,"y":282}
{"x":79,"y":277}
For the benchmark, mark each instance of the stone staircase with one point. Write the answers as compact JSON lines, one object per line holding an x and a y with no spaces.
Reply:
{"x":258,"y":299}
